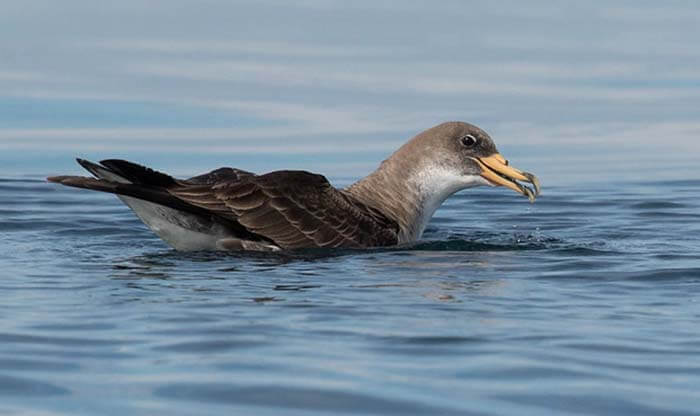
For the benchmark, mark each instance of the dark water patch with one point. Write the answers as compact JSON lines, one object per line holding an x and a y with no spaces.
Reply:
{"x":310,"y":399}
{"x":296,"y":288}
{"x":426,"y":346}
{"x":663,"y":274}
{"x":24,"y":387}
{"x":432,"y":340}
{"x":266,"y":299}
{"x":475,"y":246}
{"x":653,"y":205}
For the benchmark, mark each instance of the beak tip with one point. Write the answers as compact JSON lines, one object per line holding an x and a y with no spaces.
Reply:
{"x":534,"y":181}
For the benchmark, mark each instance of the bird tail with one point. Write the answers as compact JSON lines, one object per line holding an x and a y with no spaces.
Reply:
{"x":182,"y":225}
{"x":127,"y":179}
{"x":157,"y":195}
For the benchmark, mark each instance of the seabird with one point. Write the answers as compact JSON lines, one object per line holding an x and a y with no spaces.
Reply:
{"x":232,"y":209}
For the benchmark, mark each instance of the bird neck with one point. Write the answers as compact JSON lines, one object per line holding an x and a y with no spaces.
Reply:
{"x":409,"y":192}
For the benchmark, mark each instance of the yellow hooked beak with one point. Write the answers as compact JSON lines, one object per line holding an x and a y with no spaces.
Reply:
{"x":495,"y":169}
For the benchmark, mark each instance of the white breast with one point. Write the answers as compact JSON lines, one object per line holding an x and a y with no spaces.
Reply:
{"x":435,"y":185}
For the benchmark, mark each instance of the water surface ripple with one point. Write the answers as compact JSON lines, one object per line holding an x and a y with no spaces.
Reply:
{"x":586,"y":302}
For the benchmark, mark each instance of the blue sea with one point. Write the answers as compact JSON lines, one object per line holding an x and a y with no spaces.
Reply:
{"x":586,"y":302}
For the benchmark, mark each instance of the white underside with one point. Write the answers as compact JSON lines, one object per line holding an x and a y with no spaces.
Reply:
{"x":181,"y":230}
{"x":435,"y":185}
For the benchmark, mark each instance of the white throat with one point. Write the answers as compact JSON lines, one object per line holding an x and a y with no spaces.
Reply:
{"x":435,"y":185}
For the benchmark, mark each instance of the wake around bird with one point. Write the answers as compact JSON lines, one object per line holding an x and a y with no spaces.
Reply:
{"x":232,"y":209}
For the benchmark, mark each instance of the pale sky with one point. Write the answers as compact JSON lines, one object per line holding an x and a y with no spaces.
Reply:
{"x":335,"y":86}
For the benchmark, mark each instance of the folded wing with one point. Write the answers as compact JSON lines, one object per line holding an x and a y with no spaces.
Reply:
{"x":294,"y":209}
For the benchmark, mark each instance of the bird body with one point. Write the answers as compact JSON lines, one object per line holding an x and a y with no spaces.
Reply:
{"x":232,"y":209}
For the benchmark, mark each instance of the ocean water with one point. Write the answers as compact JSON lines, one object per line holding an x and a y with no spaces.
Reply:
{"x":586,"y":302}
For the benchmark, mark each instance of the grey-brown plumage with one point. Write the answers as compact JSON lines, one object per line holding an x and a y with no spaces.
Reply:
{"x":233,"y":209}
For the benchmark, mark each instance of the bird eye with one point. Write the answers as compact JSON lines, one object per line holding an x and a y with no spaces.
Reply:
{"x":468,"y":140}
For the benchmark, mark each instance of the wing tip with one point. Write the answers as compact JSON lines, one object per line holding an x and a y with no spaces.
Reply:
{"x":83,"y":162}
{"x":91,"y":167}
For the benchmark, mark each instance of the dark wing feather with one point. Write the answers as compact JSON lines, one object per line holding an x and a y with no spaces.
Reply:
{"x":295,"y":209}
